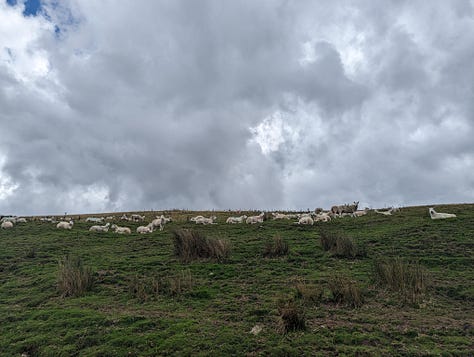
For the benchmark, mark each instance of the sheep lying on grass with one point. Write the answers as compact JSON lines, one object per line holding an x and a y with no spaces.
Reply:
{"x":437,"y":215}
{"x":255,"y":219}
{"x":100,"y":228}
{"x":145,"y":229}
{"x":204,"y":220}
{"x":65,"y":225}
{"x":234,"y":220}
{"x":7,"y":224}
{"x":307,"y":220}
{"x":385,"y":213}
{"x":121,"y":230}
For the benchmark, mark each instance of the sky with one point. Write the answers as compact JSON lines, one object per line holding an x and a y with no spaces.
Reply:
{"x":211,"y":104}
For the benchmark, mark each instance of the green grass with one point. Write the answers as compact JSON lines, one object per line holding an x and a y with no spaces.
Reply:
{"x":214,"y":305}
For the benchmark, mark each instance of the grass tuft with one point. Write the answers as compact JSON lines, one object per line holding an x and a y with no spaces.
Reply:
{"x":409,"y":279}
{"x":291,"y":317}
{"x":345,"y":291}
{"x":340,"y":246}
{"x":190,"y":245}
{"x":145,"y":288}
{"x":308,"y":293}
{"x":276,"y":248}
{"x":74,"y":279}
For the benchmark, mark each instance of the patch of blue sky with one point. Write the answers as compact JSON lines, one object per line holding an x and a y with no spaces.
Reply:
{"x":32,"y":7}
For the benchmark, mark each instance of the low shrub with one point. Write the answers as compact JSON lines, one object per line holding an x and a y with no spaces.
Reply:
{"x":345,"y":291}
{"x":74,"y":279}
{"x":190,"y":245}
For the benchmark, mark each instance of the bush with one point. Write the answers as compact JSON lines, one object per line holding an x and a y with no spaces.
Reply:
{"x":276,"y":248}
{"x":340,"y":246}
{"x":190,"y":245}
{"x":74,"y":279}
{"x":409,"y":279}
{"x":345,"y":291}
{"x":291,"y":317}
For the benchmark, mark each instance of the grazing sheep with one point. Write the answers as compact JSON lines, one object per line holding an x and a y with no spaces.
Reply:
{"x":305,"y":220}
{"x":255,"y":219}
{"x":121,"y":230}
{"x":235,"y":220}
{"x":204,"y":220}
{"x":65,"y":225}
{"x":438,"y":215}
{"x":7,"y":224}
{"x":100,"y":228}
{"x":145,"y":229}
{"x":339,"y":210}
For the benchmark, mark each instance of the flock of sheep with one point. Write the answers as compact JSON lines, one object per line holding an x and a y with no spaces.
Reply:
{"x":308,"y":218}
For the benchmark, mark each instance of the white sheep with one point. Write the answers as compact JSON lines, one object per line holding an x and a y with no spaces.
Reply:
{"x":360,"y":213}
{"x":438,"y":215}
{"x":104,"y":228}
{"x":121,"y":230}
{"x":279,"y":216}
{"x":255,"y":219}
{"x":21,"y":220}
{"x":160,"y":222}
{"x":322,"y":217}
{"x":95,"y":219}
{"x":125,"y":217}
{"x":7,"y":224}
{"x":145,"y":229}
{"x":137,"y":218}
{"x":65,"y":225}
{"x":305,"y":220}
{"x":193,"y":219}
{"x":204,"y":220}
{"x":235,"y":220}
{"x":385,"y":213}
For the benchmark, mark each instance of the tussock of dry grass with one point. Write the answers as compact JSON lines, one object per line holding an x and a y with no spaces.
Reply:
{"x":276,"y":248}
{"x":291,"y":317}
{"x":190,"y":245}
{"x":340,"y":246}
{"x":409,"y":279}
{"x":345,"y":291}
{"x":74,"y":279}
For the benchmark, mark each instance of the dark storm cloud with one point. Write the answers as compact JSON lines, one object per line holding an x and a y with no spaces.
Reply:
{"x":159,"y":105}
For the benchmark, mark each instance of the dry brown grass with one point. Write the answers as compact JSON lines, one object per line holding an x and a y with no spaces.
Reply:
{"x":276,"y":248}
{"x":190,"y":245}
{"x":74,"y":279}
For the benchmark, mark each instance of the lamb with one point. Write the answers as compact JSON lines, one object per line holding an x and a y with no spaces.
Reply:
{"x":204,"y":220}
{"x":145,"y":229}
{"x":121,"y":230}
{"x":234,"y":220}
{"x":7,"y":224}
{"x":438,"y":215}
{"x":305,"y":220}
{"x":100,"y":228}
{"x":255,"y":219}
{"x":65,"y":225}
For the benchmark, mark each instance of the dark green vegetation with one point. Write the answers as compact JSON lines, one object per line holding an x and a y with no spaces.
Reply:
{"x":146,"y":301}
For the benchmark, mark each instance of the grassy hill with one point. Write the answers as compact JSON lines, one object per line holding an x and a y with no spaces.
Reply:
{"x":145,"y":301}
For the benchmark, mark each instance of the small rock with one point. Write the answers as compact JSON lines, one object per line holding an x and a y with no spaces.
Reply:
{"x":256,"y":330}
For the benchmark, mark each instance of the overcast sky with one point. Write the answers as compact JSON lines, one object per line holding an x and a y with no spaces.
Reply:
{"x":138,"y":105}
